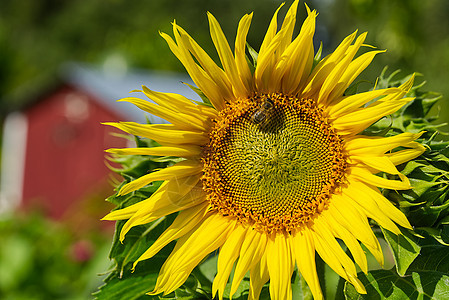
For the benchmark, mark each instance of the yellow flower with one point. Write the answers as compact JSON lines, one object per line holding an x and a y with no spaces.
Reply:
{"x":277,"y":169}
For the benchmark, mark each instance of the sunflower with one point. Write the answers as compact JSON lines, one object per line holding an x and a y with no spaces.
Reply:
{"x":276,"y":168}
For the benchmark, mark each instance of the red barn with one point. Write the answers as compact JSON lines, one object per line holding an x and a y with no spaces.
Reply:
{"x":53,"y":150}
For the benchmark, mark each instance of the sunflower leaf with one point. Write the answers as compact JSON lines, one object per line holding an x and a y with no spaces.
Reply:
{"x":200,"y":93}
{"x":405,"y":249}
{"x":432,"y":258}
{"x":317,"y":57}
{"x":253,"y":53}
{"x":387,"y":284}
{"x":124,"y":254}
{"x":300,"y":289}
{"x":241,"y":293}
{"x":122,"y":282}
{"x":134,"y":288}
{"x":426,"y":278}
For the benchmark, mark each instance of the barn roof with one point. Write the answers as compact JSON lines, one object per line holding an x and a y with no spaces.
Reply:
{"x":107,"y":86}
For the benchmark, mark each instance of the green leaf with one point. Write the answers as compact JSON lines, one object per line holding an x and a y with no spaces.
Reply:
{"x":136,"y":242}
{"x":208,"y":269}
{"x":426,"y":278}
{"x":432,"y":258}
{"x":253,"y":53}
{"x":387,"y":284}
{"x":440,"y":235}
{"x":354,"y":87}
{"x":423,"y":103}
{"x":404,"y":248}
{"x":317,"y":57}
{"x":200,"y":93}
{"x":241,"y":293}
{"x":300,"y":289}
{"x":132,"y":288}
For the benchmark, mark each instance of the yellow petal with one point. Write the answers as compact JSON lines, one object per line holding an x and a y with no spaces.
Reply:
{"x":359,"y":195}
{"x":209,"y":66}
{"x":226,"y":57}
{"x":229,"y":252}
{"x":269,"y":55}
{"x":343,"y":210}
{"x":363,"y":175}
{"x":280,"y":267}
{"x":403,"y":156}
{"x":350,"y":74}
{"x":179,"y":119}
{"x":333,"y":79}
{"x":240,"y":54}
{"x":162,"y":206}
{"x":361,"y":119}
{"x":124,"y":213}
{"x":184,"y":222}
{"x":375,"y":198}
{"x":162,"y":133}
{"x":354,"y":218}
{"x":181,"y":169}
{"x":179,"y":151}
{"x":364,"y":145}
{"x":258,"y":277}
{"x":304,"y":251}
{"x":198,"y":75}
{"x":288,"y":26}
{"x":378,"y":163}
{"x":351,"y":103}
{"x":296,"y":61}
{"x":323,"y":69}
{"x":251,"y":252}
{"x":265,"y":66}
{"x":190,"y":250}
{"x":169,"y":100}
{"x":331,"y":252}
{"x":348,"y":238}
{"x":271,"y":31}
{"x":178,"y":102}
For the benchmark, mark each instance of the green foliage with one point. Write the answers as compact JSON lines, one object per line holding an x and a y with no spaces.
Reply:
{"x":317,"y":57}
{"x":426,"y":278}
{"x":387,"y":284}
{"x":300,"y":289}
{"x":404,"y":248}
{"x":254,"y":55}
{"x":42,"y":259}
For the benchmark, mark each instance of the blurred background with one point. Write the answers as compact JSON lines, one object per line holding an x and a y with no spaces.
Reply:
{"x":64,"y":63}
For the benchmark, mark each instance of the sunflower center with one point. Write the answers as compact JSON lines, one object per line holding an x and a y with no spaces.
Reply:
{"x":272,"y":161}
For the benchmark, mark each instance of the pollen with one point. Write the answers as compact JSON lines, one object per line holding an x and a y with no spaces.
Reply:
{"x":275,"y":174}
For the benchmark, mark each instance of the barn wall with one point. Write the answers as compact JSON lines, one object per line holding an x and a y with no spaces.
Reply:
{"x":64,"y":159}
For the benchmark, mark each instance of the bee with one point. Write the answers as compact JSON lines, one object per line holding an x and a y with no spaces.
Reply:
{"x":263,"y":112}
